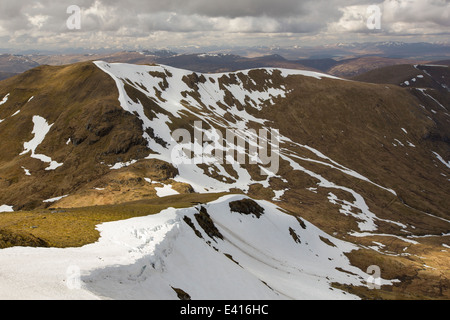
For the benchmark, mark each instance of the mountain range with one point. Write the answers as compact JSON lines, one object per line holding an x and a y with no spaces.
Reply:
{"x":206,"y":62}
{"x":342,"y":60}
{"x":88,"y":169}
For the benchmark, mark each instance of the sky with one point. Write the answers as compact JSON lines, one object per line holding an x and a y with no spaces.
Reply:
{"x":144,"y":24}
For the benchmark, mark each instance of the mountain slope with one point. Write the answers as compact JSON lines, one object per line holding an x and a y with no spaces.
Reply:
{"x":10,"y":63}
{"x":63,"y":97}
{"x":429,"y":83}
{"x":353,"y":67}
{"x":362,"y":162}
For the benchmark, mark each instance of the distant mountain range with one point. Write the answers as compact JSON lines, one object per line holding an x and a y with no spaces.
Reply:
{"x":207,"y":63}
{"x":344,"y":60}
{"x":389,"y":49}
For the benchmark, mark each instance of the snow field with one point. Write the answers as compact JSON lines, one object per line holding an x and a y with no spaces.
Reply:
{"x":143,"y":258}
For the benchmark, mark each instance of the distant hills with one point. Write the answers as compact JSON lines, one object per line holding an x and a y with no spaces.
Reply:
{"x":343,"y":60}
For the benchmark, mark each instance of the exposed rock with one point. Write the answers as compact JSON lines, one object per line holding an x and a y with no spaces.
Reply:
{"x":247,"y":206}
{"x":205,"y":221}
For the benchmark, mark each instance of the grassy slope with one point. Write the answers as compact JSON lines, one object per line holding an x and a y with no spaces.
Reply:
{"x":74,"y":227}
{"x":81,"y":101}
{"x":354,"y":67}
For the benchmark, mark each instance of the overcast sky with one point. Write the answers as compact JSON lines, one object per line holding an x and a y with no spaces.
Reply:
{"x":135,"y":24}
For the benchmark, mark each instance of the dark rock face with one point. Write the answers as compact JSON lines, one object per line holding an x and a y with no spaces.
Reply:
{"x":205,"y":221}
{"x":247,"y":206}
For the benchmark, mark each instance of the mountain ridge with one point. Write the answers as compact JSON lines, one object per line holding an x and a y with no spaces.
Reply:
{"x":346,"y":149}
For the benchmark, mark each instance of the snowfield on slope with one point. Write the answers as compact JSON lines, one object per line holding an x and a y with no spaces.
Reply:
{"x":272,"y":255}
{"x":207,"y":103}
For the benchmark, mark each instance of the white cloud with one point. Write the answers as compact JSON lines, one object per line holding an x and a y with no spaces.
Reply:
{"x":37,"y":21}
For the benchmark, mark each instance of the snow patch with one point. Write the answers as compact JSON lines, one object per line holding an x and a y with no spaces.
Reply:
{"x":54,"y":199}
{"x":120,"y":165}
{"x":446,"y":163}
{"x":4,"y":100}
{"x":165,"y":191}
{"x":40,"y":130}
{"x":27,"y":172}
{"x":6,"y":208}
{"x":427,"y":95}
{"x":279,"y":194}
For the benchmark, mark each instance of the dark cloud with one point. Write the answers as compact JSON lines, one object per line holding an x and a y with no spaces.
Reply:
{"x":215,"y":8}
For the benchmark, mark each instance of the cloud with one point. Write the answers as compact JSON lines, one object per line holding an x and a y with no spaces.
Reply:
{"x":146,"y":22}
{"x":214,"y":8}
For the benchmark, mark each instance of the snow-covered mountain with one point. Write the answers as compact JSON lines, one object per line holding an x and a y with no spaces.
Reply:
{"x":320,"y":179}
